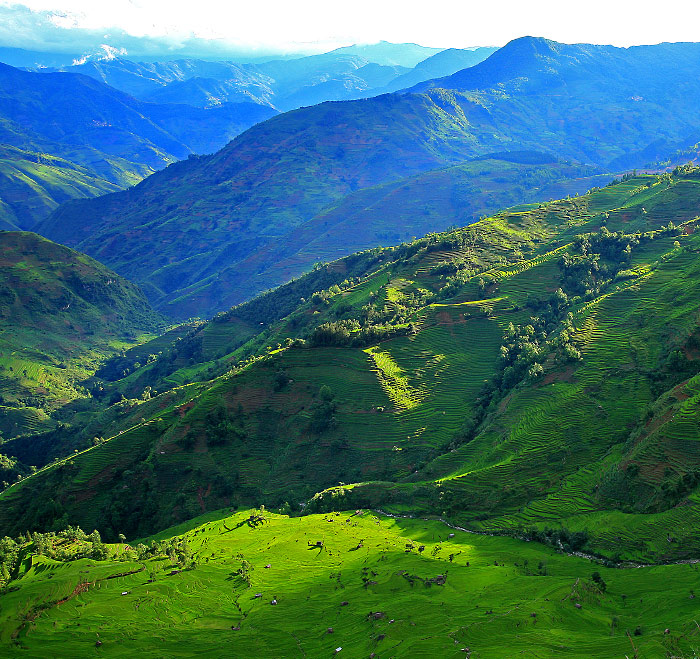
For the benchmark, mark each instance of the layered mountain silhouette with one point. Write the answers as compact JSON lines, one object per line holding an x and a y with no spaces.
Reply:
{"x":609,"y":107}
{"x":441,"y":64}
{"x":53,"y":153}
{"x":345,"y":73}
{"x":65,"y":121}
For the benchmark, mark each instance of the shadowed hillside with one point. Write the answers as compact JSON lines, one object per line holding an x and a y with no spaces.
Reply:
{"x":62,"y":315}
{"x":378,"y":215}
{"x":614,"y":108}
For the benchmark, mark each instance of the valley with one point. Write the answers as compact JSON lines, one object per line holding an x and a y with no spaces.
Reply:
{"x":386,"y":351}
{"x":426,"y":375}
{"x":261,"y":190}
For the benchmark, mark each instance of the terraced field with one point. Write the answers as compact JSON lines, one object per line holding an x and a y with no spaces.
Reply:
{"x":345,"y":584}
{"x":595,"y":405}
{"x":532,"y":371}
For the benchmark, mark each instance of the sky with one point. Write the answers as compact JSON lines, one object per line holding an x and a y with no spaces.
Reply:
{"x":140,"y":27}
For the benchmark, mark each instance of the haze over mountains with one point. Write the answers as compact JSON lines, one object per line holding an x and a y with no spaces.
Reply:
{"x":345,"y":73}
{"x":114,"y":141}
{"x":382,"y":52}
{"x":600,"y":106}
{"x":83,"y":134}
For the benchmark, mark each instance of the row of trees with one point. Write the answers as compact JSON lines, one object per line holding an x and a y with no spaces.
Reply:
{"x":73,"y":543}
{"x":68,"y":545}
{"x":350,"y":333}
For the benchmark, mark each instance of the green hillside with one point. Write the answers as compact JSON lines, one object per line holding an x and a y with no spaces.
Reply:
{"x":532,"y":374}
{"x":34,"y":184}
{"x":62,"y":315}
{"x":371,"y":586}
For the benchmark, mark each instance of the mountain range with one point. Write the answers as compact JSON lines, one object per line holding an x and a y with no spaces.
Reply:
{"x":115,"y":140}
{"x":268,"y":182}
{"x":345,"y":73}
{"x":85,"y":138}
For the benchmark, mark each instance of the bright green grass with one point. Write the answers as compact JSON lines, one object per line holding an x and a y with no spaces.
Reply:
{"x":501,"y":598}
{"x":394,"y":380}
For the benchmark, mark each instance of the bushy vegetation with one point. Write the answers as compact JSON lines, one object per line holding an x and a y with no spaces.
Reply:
{"x":446,"y":358}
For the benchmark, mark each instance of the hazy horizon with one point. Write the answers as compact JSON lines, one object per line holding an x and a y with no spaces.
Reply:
{"x":151,"y":29}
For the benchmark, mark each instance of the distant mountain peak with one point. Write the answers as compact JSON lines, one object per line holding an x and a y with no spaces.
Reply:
{"x":520,"y":58}
{"x":389,"y":54}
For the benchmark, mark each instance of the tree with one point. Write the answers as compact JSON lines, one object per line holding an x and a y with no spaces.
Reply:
{"x":280,"y":380}
{"x":598,"y":580}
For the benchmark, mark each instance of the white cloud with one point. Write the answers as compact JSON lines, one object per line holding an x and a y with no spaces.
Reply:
{"x":318,"y":25}
{"x":104,"y":54}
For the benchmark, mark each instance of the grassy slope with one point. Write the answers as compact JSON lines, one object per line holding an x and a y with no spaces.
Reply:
{"x":62,"y":315}
{"x":501,"y":597}
{"x":574,"y":471}
{"x":553,"y":452}
{"x":428,"y":384}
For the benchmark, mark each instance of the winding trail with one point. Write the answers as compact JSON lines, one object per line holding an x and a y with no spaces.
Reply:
{"x":621,"y":565}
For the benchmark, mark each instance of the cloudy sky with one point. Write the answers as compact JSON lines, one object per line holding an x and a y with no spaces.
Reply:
{"x":289,"y":26}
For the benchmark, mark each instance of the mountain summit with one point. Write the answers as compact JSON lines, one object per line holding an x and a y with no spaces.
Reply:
{"x":538,"y":65}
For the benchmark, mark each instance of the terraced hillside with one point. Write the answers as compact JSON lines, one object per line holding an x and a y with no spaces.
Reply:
{"x":352,"y":584}
{"x":531,"y":374}
{"x":262,"y":188}
{"x":34,"y":184}
{"x":62,"y":315}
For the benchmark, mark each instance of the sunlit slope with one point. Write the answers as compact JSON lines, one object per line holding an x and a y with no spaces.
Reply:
{"x":402,"y":588}
{"x":623,"y":338}
{"x":507,"y":375}
{"x":34,"y":184}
